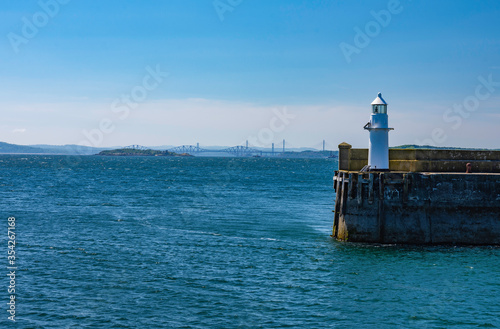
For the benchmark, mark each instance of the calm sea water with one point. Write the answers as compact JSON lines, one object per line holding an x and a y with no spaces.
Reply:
{"x":217,"y":243}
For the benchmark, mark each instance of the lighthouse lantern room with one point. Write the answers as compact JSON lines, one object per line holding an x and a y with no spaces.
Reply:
{"x":378,"y":153}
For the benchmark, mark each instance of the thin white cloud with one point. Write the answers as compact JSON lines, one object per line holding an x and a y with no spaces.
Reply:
{"x":19,"y":130}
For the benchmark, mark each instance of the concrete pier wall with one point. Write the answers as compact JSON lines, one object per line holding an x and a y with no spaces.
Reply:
{"x":417,"y":207}
{"x":424,"y":160}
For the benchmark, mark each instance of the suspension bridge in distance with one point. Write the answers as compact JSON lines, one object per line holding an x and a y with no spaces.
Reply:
{"x":238,"y":151}
{"x":234,"y":151}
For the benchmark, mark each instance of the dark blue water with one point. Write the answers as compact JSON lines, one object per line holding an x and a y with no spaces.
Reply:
{"x":217,"y":243}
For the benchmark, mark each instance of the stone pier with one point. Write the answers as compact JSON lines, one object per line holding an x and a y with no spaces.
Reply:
{"x":409,"y":205}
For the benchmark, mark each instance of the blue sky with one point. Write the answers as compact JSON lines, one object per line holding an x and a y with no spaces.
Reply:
{"x":232,"y":65}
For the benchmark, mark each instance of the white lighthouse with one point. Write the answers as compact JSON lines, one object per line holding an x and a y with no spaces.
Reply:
{"x":378,"y":154}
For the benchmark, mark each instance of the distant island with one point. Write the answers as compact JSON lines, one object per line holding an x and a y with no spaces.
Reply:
{"x":141,"y":152}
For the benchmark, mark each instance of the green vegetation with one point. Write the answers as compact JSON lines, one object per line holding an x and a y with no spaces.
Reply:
{"x":139,"y":152}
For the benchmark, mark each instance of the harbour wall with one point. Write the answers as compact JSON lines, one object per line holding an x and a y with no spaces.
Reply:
{"x":406,"y":205}
{"x":424,"y":160}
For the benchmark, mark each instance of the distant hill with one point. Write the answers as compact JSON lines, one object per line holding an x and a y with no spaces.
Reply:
{"x":71,"y":149}
{"x":6,"y":148}
{"x":413,"y":146}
